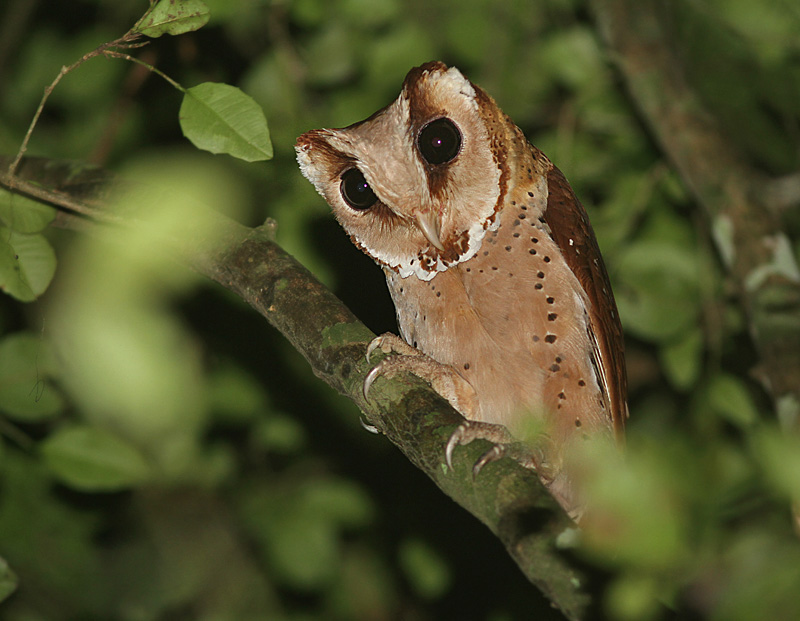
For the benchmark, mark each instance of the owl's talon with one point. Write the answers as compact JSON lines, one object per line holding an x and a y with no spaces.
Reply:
{"x":496,"y":453}
{"x":373,"y":345}
{"x":503,"y":445}
{"x":368,"y":427}
{"x":453,"y":442}
{"x":370,"y":379}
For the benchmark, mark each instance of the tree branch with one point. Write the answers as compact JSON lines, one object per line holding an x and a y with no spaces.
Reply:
{"x":506,"y":497}
{"x":733,"y":195}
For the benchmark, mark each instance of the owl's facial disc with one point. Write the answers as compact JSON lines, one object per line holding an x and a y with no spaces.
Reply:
{"x":417,"y":184}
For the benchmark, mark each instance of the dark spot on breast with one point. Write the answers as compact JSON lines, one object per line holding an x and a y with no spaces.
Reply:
{"x":401,"y":289}
{"x":485,"y":253}
{"x":561,"y":395}
{"x":513,"y":202}
{"x":535,"y":339}
{"x":550,"y":300}
{"x":515,"y":235}
{"x":577,"y":422}
{"x":521,"y":216}
{"x":508,"y":248}
{"x":532,"y":251}
{"x":546,"y":259}
{"x":414,"y":344}
{"x":538,"y":285}
{"x":530,"y":194}
{"x":524,"y":208}
{"x":535,"y":240}
{"x":550,"y":338}
{"x":552,"y":316}
{"x":540,"y":275}
{"x":558,"y":358}
{"x":581,"y":382}
{"x":466,"y":366}
{"x":469,"y":269}
{"x":554,"y":367}
{"x":494,"y":268}
{"x":517,"y":223}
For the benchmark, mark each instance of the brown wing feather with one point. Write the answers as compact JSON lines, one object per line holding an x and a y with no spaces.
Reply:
{"x":571,"y":230}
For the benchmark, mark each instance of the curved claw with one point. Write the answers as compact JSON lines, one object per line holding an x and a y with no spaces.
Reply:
{"x":497,"y":451}
{"x":373,"y":345}
{"x":368,"y":427}
{"x":370,"y":379}
{"x":453,"y":442}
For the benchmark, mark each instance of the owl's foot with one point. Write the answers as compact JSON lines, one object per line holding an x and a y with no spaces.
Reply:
{"x":442,"y":378}
{"x":529,"y":455}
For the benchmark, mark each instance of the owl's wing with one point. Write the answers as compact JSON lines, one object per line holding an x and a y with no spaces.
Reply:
{"x":570,"y":229}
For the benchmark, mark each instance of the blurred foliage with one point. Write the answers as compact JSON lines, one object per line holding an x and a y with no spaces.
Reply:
{"x":165,"y":455}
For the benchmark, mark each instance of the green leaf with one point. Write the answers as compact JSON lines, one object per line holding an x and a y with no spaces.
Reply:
{"x":24,"y":215}
{"x":424,"y":569}
{"x":8,"y":580}
{"x":94,"y":460}
{"x":728,"y":396}
{"x":279,"y":434}
{"x":636,"y":518}
{"x":174,"y":17}
{"x":25,"y":362}
{"x":633,"y":597}
{"x":236,"y":397}
{"x":338,"y":501}
{"x":682,"y":359}
{"x":658,"y":294}
{"x":27,"y":264}
{"x":304,"y":550}
{"x":220,"y":118}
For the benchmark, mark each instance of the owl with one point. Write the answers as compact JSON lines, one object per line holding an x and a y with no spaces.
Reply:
{"x":502,"y":298}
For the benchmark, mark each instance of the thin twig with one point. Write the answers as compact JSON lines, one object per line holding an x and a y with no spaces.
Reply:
{"x":139,"y":61}
{"x":127,"y":41}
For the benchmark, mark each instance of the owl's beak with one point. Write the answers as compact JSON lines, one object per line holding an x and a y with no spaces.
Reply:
{"x":428,"y":223}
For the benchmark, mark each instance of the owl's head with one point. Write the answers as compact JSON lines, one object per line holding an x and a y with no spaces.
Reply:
{"x":417,"y":184}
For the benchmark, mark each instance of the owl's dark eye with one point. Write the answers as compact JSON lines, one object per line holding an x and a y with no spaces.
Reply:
{"x":356,"y":191}
{"x":439,"y":141}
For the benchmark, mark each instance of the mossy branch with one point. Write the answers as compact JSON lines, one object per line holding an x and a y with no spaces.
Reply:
{"x":506,"y":497}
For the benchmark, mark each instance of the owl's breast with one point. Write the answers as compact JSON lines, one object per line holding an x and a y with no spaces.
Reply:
{"x":512,"y":321}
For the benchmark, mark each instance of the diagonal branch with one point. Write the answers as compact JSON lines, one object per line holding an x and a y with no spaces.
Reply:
{"x":506,"y":497}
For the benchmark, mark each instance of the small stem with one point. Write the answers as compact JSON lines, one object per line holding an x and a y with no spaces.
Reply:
{"x":127,"y":41}
{"x":12,"y":169}
{"x":116,"y":54}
